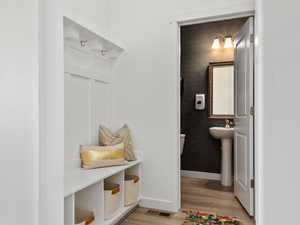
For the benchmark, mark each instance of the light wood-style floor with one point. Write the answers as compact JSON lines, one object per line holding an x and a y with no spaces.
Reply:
{"x":204,"y":195}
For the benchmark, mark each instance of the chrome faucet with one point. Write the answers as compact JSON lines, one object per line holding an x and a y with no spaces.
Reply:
{"x":227,"y":125}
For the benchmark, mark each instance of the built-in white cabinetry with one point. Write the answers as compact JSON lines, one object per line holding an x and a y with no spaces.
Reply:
{"x":85,"y":189}
{"x":89,"y":59}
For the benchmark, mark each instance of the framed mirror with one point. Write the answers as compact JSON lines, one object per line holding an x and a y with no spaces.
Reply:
{"x":221,"y":90}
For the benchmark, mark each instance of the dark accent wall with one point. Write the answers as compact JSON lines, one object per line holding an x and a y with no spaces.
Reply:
{"x":201,"y":151}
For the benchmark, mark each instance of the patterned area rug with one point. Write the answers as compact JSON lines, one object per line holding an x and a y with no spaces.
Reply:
{"x":199,"y":218}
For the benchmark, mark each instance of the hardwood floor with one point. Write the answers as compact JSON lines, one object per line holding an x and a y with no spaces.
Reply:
{"x":210,"y":196}
{"x":204,"y":195}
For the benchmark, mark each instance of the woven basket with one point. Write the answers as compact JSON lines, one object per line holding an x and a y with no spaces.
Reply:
{"x":132,"y":189}
{"x":83,"y":217}
{"x":112,"y":199}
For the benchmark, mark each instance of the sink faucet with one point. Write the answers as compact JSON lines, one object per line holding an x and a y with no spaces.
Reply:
{"x":227,"y":123}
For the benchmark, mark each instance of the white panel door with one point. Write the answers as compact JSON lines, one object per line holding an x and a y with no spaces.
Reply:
{"x":243,"y":137}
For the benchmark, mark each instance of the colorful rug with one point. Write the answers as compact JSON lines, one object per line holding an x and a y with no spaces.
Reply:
{"x":199,"y":218}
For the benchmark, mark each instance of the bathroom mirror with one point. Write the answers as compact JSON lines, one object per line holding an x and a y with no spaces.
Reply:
{"x":221,"y":90}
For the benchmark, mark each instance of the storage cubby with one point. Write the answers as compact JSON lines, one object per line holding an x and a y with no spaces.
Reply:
{"x":132,"y":187}
{"x":134,"y":170}
{"x":84,"y":189}
{"x":90,"y":199}
{"x":116,"y":179}
{"x":137,"y":171}
{"x":69,"y":210}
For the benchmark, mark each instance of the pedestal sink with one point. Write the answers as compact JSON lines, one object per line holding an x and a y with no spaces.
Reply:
{"x":226,"y":136}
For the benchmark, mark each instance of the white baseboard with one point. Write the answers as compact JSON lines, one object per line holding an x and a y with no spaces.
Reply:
{"x":201,"y":175}
{"x":158,"y":204}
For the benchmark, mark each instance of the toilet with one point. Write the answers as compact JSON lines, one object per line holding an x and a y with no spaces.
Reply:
{"x":182,"y":140}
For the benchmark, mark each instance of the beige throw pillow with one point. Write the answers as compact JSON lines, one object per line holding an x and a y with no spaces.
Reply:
{"x":107,"y":137}
{"x":102,"y":156}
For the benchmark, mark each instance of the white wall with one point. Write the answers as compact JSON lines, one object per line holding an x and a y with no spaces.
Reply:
{"x":279,"y":36}
{"x":93,"y":14}
{"x":51,"y":113}
{"x":145,"y":83}
{"x":19,"y":112}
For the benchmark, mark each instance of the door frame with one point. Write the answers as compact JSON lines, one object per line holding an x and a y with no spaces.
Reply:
{"x":51,"y":114}
{"x":231,"y":14}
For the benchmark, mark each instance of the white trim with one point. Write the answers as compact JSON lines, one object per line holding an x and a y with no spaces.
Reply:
{"x":121,"y":214}
{"x":201,"y":175}
{"x":51,"y":113}
{"x":227,"y":12}
{"x":217,"y":18}
{"x":158,"y":204}
{"x":258,"y":122}
{"x":178,"y":115}
{"x":221,"y":11}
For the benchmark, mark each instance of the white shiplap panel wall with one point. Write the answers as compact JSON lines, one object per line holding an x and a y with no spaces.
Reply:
{"x":101,"y":112}
{"x":77,"y":114}
{"x":88,"y":101}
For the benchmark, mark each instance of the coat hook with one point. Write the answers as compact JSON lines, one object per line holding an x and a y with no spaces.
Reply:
{"x":83,"y":43}
{"x":103,"y":52}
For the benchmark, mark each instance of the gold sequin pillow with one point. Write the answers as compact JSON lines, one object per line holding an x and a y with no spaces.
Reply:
{"x":107,"y":137}
{"x":102,"y":156}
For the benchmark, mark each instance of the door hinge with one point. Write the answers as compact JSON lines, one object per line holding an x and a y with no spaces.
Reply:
{"x":252,"y":38}
{"x":252,"y":111}
{"x":252,"y":183}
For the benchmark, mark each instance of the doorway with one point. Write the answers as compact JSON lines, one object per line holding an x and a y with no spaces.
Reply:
{"x":200,"y":159}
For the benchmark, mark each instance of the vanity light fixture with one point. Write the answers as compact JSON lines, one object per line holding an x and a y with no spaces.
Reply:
{"x":228,"y":42}
{"x":216,"y":43}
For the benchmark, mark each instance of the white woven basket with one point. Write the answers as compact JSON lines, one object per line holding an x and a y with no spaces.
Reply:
{"x":112,"y":200}
{"x":132,"y":186}
{"x":84,"y":217}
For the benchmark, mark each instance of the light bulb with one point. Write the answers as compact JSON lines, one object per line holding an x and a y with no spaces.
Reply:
{"x":228,"y":42}
{"x":216,"y":44}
